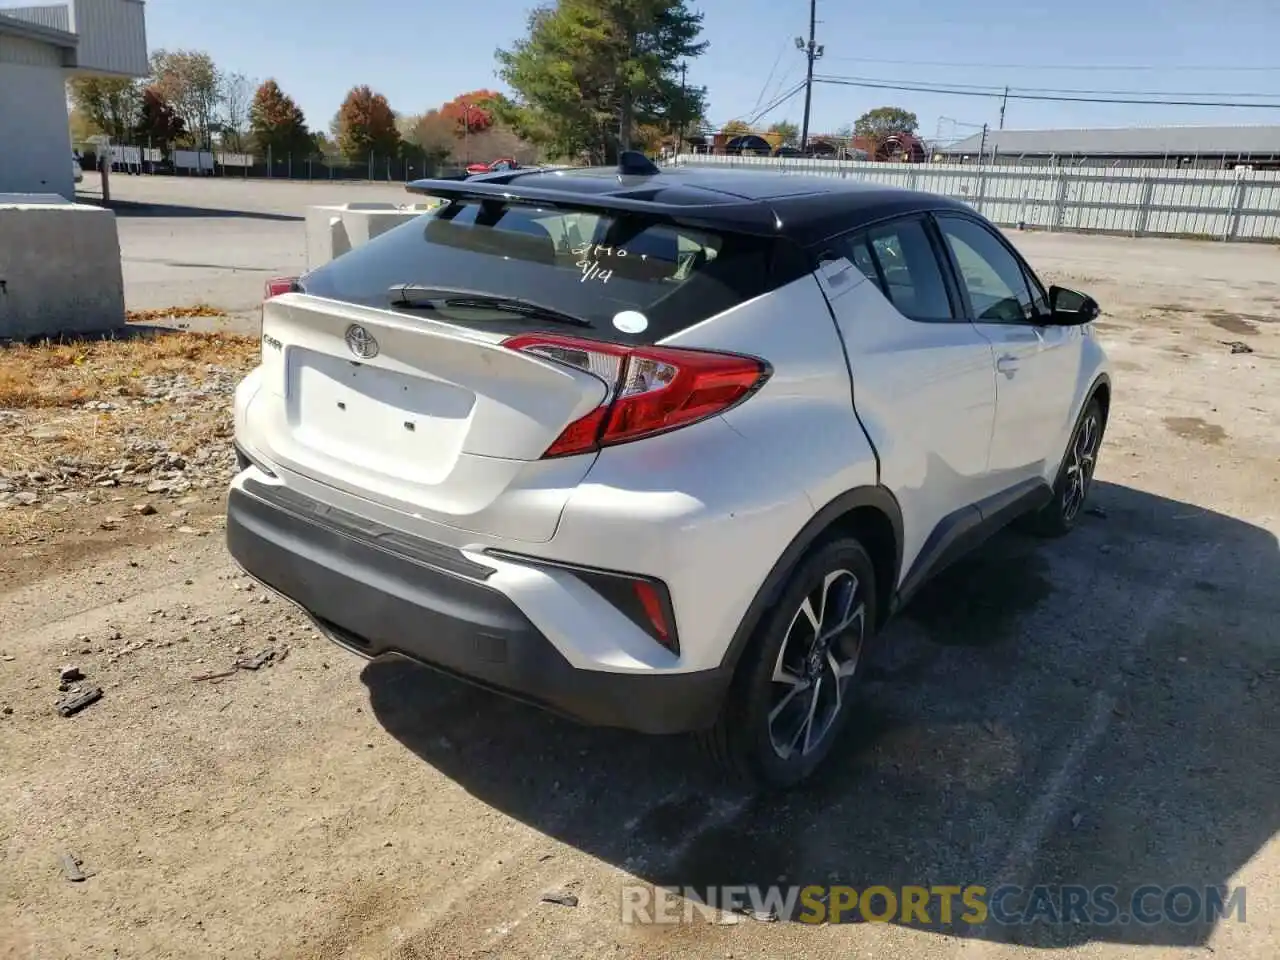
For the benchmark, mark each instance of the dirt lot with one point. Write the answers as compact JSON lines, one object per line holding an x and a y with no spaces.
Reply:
{"x":1099,"y":710}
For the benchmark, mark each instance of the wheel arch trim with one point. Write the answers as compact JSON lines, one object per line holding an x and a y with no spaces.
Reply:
{"x":874,"y":496}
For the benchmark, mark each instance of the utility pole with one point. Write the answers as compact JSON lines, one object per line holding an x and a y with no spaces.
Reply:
{"x":466,"y":133}
{"x":982,"y":149}
{"x":812,"y":52}
{"x":1004,"y":102}
{"x":684,"y":105}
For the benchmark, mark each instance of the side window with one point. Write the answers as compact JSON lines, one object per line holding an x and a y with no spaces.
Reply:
{"x":912,"y":276}
{"x":1039,"y":297}
{"x":992,"y":276}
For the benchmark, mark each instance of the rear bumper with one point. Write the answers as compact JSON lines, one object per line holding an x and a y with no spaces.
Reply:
{"x":377,"y":592}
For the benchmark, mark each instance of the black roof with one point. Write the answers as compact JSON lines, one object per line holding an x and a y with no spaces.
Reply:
{"x":806,"y":209}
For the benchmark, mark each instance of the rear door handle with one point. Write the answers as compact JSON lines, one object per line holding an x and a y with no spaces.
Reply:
{"x":1008,"y":365}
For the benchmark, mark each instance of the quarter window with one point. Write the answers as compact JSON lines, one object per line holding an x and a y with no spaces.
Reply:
{"x":899,"y":258}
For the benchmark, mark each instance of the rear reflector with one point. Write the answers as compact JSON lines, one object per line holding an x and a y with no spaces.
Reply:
{"x":642,"y":600}
{"x":652,"y":390}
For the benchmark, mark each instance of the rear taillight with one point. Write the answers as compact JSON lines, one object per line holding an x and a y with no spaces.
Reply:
{"x":651,"y":389}
{"x":279,"y":285}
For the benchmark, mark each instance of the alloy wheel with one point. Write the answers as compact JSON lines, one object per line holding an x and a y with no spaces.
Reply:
{"x":1080,"y":464}
{"x":818,"y":656}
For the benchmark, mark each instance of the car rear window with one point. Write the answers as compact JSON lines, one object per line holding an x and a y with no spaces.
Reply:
{"x":632,"y":278}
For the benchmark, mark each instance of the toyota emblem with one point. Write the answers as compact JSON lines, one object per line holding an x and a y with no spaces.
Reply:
{"x":361,"y":342}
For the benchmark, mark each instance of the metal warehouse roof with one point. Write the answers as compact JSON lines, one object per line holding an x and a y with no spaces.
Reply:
{"x":1156,"y":141}
{"x":19,"y":26}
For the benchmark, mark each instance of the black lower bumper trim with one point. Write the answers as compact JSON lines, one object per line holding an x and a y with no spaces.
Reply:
{"x":377,"y":601}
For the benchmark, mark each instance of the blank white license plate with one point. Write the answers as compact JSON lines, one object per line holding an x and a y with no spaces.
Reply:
{"x":381,"y":420}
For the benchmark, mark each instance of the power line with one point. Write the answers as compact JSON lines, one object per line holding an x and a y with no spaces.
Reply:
{"x":777,"y":102}
{"x":1014,"y":95}
{"x":1094,"y":68}
{"x":764,"y":87}
{"x":998,"y":89}
{"x":784,"y":79}
{"x":753,"y":117}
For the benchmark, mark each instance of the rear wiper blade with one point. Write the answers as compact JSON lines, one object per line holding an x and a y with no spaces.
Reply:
{"x":415,"y":297}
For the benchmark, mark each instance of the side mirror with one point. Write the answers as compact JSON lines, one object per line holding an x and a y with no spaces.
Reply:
{"x":1070,"y":308}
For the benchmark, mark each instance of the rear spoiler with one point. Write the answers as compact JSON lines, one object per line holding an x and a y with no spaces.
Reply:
{"x":735,"y":215}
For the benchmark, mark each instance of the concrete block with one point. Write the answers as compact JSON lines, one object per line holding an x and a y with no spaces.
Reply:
{"x":334,"y":230}
{"x":59,"y":269}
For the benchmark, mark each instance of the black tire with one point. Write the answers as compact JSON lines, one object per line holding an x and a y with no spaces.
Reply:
{"x":743,"y":741}
{"x":1059,"y":516}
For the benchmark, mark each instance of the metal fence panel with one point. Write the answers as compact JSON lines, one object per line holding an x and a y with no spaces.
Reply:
{"x":1137,"y":201}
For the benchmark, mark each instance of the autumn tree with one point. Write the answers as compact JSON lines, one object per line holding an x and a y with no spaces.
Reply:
{"x":497,"y":142}
{"x":472,"y":112}
{"x":236,"y":93}
{"x":588,"y":72}
{"x":108,"y":104}
{"x":736,"y":128}
{"x":82,"y":128}
{"x":189,"y":82}
{"x":433,"y":133}
{"x":277,"y":124}
{"x":788,"y":133}
{"x":158,"y":126}
{"x":879,"y":124}
{"x":365,"y":125}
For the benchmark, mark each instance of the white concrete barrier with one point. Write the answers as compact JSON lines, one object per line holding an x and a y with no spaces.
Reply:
{"x":333,"y":230}
{"x":59,"y":268}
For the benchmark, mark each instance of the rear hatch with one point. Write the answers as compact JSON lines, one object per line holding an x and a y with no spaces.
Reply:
{"x":409,"y":371}
{"x":412,"y":412}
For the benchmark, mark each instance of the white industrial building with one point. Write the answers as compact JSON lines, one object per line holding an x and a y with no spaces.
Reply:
{"x":41,"y":47}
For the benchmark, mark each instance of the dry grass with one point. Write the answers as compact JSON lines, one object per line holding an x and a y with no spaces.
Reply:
{"x":169,"y":313}
{"x":46,"y":392}
{"x":54,"y":375}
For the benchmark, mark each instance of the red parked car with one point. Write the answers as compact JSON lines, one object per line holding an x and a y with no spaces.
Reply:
{"x":506,"y":163}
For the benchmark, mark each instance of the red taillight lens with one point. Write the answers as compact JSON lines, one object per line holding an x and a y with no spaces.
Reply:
{"x":651,"y":389}
{"x":278,"y":285}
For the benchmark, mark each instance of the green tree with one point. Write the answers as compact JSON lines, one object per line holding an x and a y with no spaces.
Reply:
{"x":787,"y":130}
{"x":107,"y":104}
{"x":325,"y":146}
{"x":883,"y":122}
{"x":190,"y":83}
{"x":590,"y":71}
{"x":366,"y":125}
{"x":736,"y":128}
{"x":277,"y":123}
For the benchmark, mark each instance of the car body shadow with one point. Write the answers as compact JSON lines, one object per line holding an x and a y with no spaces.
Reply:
{"x":1089,"y":711}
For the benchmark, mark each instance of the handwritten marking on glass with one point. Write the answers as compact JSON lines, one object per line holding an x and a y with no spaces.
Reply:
{"x":591,"y":271}
{"x":600,"y":250}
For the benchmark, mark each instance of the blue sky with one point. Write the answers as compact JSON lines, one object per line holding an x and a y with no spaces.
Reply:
{"x":432,"y":51}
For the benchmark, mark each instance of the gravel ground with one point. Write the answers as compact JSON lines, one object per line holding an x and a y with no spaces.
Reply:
{"x":1095,"y":710}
